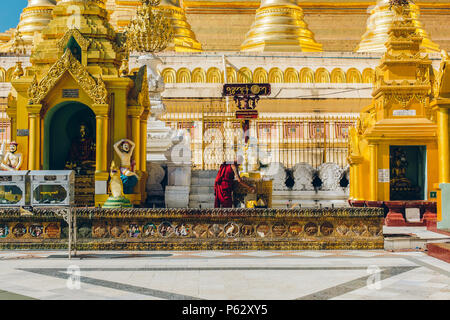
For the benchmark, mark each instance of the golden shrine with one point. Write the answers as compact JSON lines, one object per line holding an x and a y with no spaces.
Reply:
{"x":399,"y":118}
{"x":74,"y":94}
{"x":355,"y":111}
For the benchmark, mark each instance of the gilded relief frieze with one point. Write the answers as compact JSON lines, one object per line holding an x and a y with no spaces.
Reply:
{"x":95,"y":88}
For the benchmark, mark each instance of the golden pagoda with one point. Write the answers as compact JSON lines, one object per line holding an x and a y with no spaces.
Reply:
{"x":379,"y":23}
{"x":69,"y":108}
{"x":124,"y":11}
{"x":394,"y":147}
{"x":279,"y":26}
{"x":34,"y":18}
{"x":184,"y":38}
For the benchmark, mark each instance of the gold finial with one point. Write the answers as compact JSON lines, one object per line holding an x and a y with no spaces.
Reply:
{"x":151,"y":31}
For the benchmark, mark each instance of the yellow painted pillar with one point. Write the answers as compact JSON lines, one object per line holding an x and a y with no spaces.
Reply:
{"x":101,"y":153}
{"x":143,"y":128}
{"x":34,"y":136}
{"x":352,"y":182}
{"x":373,"y":174}
{"x":134,"y":113}
{"x":355,"y":177}
{"x":443,"y":143}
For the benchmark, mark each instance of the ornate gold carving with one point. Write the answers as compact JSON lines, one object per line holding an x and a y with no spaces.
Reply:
{"x":95,"y":88}
{"x":79,"y":38}
{"x":150,"y":31}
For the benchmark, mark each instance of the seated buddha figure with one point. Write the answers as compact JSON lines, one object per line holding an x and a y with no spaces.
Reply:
{"x":398,"y":170}
{"x":82,"y":152}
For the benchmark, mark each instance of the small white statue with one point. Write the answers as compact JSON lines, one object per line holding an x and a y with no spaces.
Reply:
{"x":124,"y":149}
{"x":12,"y":160}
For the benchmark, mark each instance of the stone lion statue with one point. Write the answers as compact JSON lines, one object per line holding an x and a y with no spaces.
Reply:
{"x":330,"y":174}
{"x":303,"y":176}
{"x":277,"y":172}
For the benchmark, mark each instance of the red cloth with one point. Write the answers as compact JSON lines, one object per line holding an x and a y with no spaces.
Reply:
{"x":223,"y":187}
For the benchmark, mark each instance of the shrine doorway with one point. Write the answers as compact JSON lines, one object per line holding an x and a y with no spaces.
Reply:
{"x":408,"y":167}
{"x":61,"y":127}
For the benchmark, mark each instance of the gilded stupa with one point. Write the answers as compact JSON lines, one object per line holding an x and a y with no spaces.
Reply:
{"x":399,"y":117}
{"x":279,"y":26}
{"x":34,"y":18}
{"x":124,"y":11}
{"x":93,"y":38}
{"x":378,"y":24}
{"x":184,"y":38}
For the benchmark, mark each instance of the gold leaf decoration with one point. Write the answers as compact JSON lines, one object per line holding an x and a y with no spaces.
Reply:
{"x":95,"y":88}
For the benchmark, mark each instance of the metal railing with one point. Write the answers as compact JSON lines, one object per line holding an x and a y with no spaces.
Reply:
{"x":215,"y":135}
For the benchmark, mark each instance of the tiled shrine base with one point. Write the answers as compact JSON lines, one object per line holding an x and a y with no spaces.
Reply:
{"x":197,"y":229}
{"x":396,"y":212}
{"x":439,"y":250}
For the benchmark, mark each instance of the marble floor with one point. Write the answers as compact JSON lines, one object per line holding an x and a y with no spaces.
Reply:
{"x":235,"y":275}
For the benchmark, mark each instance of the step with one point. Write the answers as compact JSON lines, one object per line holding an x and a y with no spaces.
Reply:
{"x":204,"y":174}
{"x":202,"y":189}
{"x":439,"y":250}
{"x":202,"y":197}
{"x":202,"y":181}
{"x":204,"y":205}
{"x":410,"y":238}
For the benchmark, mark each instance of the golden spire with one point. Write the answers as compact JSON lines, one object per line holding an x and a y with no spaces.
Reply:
{"x":279,"y":26}
{"x":378,"y":25}
{"x":34,"y":18}
{"x":150,"y":31}
{"x":88,"y":35}
{"x":184,"y":38}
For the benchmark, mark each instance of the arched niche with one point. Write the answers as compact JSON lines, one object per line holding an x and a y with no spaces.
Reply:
{"x":368,"y":76}
{"x":214,"y":75}
{"x":260,"y":75}
{"x":198,"y":75}
{"x":245,"y":75}
{"x":276,"y":75}
{"x":322,"y":76}
{"x":169,"y":75}
{"x":291,"y":75}
{"x":306,"y":75}
{"x":61,"y":128}
{"x":338,"y":76}
{"x":184,"y":76}
{"x":353,"y":76}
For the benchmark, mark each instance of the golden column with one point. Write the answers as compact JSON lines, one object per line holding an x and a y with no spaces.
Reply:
{"x":143,"y":155}
{"x":34,"y":136}
{"x":442,"y":106}
{"x":101,"y":152}
{"x":134,"y":113}
{"x":373,"y":175}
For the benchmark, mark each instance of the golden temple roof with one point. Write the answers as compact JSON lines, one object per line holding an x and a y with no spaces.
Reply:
{"x":279,"y":26}
{"x":90,"y":32}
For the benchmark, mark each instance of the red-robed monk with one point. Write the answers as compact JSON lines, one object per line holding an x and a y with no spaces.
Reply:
{"x":223,"y":186}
